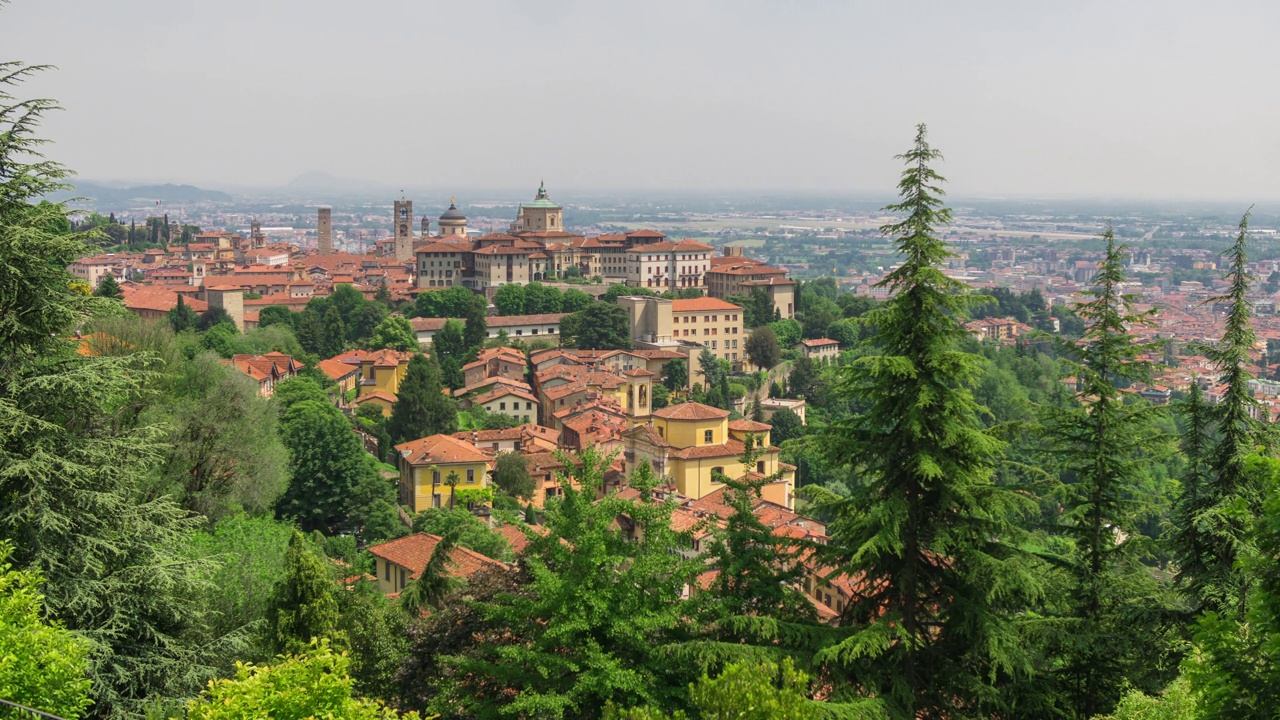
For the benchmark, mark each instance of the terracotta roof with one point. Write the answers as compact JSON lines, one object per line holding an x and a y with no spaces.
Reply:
{"x":691,"y":411}
{"x":732,"y":448}
{"x":501,"y":321}
{"x":745,"y":425}
{"x":495,"y":380}
{"x":440,"y":449}
{"x":819,"y":342}
{"x":637,"y":372}
{"x":336,"y":369}
{"x":702,"y":304}
{"x":414,"y":551}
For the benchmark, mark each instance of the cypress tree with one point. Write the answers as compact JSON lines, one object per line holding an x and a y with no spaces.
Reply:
{"x":333,"y":333}
{"x":1229,"y":498}
{"x":1099,"y":445}
{"x":421,"y":408}
{"x":182,"y":317}
{"x":476,"y":330}
{"x":931,"y":538}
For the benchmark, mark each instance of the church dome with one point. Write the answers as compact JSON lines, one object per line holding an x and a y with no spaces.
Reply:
{"x":453,"y":213}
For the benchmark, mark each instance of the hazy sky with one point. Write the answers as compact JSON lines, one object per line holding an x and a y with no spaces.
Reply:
{"x":1167,"y":98}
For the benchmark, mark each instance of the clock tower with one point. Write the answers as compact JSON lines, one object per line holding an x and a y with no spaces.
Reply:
{"x":403,"y":229}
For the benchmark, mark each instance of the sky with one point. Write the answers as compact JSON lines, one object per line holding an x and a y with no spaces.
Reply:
{"x":1166,"y":99}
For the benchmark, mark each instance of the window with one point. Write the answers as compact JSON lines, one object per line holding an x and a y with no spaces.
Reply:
{"x":660,"y":431}
{"x":707,"y":435}
{"x":760,"y":466}
{"x":401,"y":578}
{"x":435,"y":477}
{"x":471,"y":475}
{"x":713,"y":344}
{"x":528,"y":406}
{"x":716,"y":471}
{"x":386,"y":571}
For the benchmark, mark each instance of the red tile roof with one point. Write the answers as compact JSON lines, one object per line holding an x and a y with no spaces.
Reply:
{"x":702,"y":304}
{"x":691,"y":411}
{"x":440,"y":449}
{"x":414,"y":551}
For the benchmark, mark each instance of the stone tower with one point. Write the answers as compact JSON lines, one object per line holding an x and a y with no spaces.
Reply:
{"x":256,"y":238}
{"x":404,"y":229}
{"x":324,"y":230}
{"x":426,"y":227}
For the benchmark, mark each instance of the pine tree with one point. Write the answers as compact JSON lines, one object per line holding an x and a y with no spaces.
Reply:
{"x":421,"y":408}
{"x":1100,"y":445}
{"x":930,"y":535}
{"x":109,"y":288}
{"x":303,"y":604}
{"x":1229,"y":498}
{"x":1190,"y":546}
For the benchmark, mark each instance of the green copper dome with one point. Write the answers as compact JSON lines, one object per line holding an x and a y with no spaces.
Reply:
{"x":542,"y":201}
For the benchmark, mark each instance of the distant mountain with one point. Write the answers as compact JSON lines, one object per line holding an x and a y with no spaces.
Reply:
{"x":102,"y":195}
{"x":321,"y":183}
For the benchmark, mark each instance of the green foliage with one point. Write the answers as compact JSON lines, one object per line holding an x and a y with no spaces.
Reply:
{"x":676,"y":375}
{"x":786,"y":426}
{"x":298,"y":389}
{"x":468,"y":530}
{"x":574,"y":300}
{"x":335,"y":486}
{"x":1235,"y":668}
{"x":802,"y":381}
{"x":396,"y":333}
{"x":215,"y":315}
{"x":421,"y":408}
{"x":509,"y":299}
{"x":1177,"y":702}
{"x":275,"y":315}
{"x":1100,"y":446}
{"x":449,"y":347}
{"x":583,"y":627}
{"x":788,"y":332}
{"x":511,"y":476}
{"x":244,"y":559}
{"x":933,"y":538}
{"x":661,"y":397}
{"x":599,"y":326}
{"x":225,"y":453}
{"x":762,"y":348}
{"x":475,"y":328}
{"x":314,"y":685}
{"x":182,"y":317}
{"x":453,"y":302}
{"x":42,"y":665}
{"x":1228,"y":498}
{"x":616,"y":291}
{"x":303,"y":606}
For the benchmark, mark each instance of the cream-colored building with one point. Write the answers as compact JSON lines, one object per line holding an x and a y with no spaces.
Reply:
{"x":441,"y":264}
{"x":541,"y":215}
{"x":668,"y":265}
{"x":713,"y":323}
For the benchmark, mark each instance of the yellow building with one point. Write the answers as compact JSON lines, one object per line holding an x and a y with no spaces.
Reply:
{"x":710,"y":322}
{"x":691,"y":443}
{"x":382,"y":371}
{"x":433,"y":468}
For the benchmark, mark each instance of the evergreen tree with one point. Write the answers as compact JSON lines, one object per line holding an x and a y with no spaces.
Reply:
{"x":476,"y":330}
{"x":931,"y":537}
{"x":421,"y":408}
{"x":303,"y":606}
{"x":109,"y":288}
{"x":311,"y":335}
{"x":1101,"y":446}
{"x":333,"y":334}
{"x":1236,"y":665}
{"x":75,"y":454}
{"x":449,"y":347}
{"x":182,"y":317}
{"x":1192,"y":547}
{"x":762,"y":348}
{"x":1229,"y":499}
{"x":383,"y":295}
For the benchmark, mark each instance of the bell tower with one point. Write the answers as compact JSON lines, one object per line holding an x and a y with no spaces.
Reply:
{"x":403,"y":229}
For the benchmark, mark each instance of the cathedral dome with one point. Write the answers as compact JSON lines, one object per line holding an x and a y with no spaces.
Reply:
{"x":453,"y":213}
